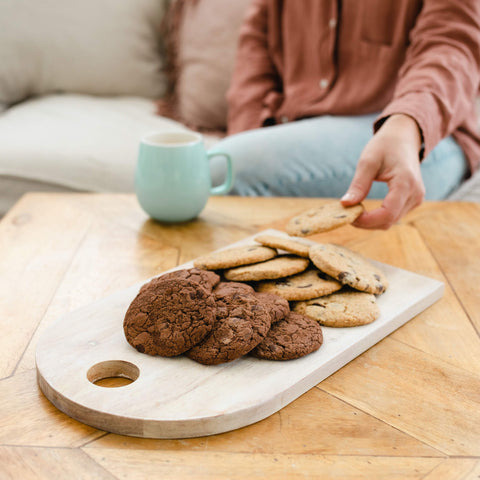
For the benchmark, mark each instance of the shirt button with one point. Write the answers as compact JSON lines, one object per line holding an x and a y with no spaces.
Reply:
{"x":332,"y":23}
{"x":284,"y":119}
{"x":323,"y":83}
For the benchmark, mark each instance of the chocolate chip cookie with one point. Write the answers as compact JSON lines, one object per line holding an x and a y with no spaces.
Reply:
{"x":233,"y":257}
{"x":323,"y":218}
{"x":348,"y":267}
{"x":348,"y":308}
{"x":280,"y":266}
{"x":309,"y":284}
{"x":282,"y":243}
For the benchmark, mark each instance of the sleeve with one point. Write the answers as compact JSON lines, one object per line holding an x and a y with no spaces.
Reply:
{"x":440,"y":76}
{"x":255,"y":80}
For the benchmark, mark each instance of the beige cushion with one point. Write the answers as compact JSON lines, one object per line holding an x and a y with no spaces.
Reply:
{"x":206,"y":55}
{"x":99,"y":47}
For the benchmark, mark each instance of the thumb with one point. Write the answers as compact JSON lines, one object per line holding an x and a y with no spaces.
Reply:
{"x":352,"y":196}
{"x":361,"y":183}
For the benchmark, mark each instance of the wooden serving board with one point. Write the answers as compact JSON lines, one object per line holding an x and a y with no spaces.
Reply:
{"x":179,"y":398}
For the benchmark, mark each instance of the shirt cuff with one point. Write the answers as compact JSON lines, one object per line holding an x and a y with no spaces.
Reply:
{"x":424,"y":109}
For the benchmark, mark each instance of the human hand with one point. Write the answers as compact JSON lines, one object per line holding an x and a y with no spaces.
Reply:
{"x":391,"y":156}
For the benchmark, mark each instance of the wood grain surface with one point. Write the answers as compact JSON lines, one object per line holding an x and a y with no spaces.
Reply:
{"x":406,"y":408}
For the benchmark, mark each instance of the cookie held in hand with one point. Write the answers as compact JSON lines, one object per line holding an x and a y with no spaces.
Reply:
{"x":323,"y":218}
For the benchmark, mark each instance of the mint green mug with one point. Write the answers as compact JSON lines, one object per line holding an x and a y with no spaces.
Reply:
{"x":172,"y":179}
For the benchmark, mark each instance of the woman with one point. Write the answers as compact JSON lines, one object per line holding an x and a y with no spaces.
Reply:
{"x":358,"y":96}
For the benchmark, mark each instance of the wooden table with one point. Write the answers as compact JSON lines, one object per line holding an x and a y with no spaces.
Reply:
{"x":408,"y":408}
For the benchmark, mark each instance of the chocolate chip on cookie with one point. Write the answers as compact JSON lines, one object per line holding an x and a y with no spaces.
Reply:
{"x":168,"y":317}
{"x":323,"y":218}
{"x":293,"y":337}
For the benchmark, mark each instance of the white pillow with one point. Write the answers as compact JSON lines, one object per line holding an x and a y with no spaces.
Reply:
{"x":98,"y":47}
{"x":77,"y":141}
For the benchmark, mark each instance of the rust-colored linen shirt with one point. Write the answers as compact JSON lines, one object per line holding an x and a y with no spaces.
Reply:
{"x":304,"y":58}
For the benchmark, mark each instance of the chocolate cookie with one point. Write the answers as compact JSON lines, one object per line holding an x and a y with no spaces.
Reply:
{"x":205,"y":278}
{"x":233,"y":257}
{"x":277,"y":267}
{"x":282,"y":243}
{"x":168,"y":317}
{"x":277,"y":306}
{"x":323,"y":218}
{"x":309,"y":284}
{"x":242,"y":323}
{"x":228,"y":288}
{"x":295,"y":336}
{"x":348,"y":308}
{"x":348,"y":267}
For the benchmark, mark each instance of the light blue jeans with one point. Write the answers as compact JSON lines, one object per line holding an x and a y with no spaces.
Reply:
{"x":317,"y":157}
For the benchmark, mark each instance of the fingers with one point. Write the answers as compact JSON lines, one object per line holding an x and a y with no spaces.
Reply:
{"x":401,"y":198}
{"x":384,"y":217}
{"x":405,"y":192}
{"x":391,"y":156}
{"x":366,"y":172}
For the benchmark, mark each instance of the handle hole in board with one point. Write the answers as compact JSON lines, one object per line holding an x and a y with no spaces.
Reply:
{"x":113,"y":373}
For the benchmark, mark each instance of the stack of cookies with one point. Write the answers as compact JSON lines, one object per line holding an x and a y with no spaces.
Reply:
{"x":268,"y":299}
{"x":330,"y":284}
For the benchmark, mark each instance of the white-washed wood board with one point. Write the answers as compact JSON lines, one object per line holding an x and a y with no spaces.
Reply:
{"x":177,"y":397}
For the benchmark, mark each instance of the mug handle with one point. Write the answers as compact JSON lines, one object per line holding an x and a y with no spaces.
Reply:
{"x":226,"y":186}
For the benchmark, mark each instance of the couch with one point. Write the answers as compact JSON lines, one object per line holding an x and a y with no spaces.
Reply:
{"x":82,"y":82}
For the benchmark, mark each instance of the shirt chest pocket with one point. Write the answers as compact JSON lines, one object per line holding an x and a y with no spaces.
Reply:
{"x":380,"y":20}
